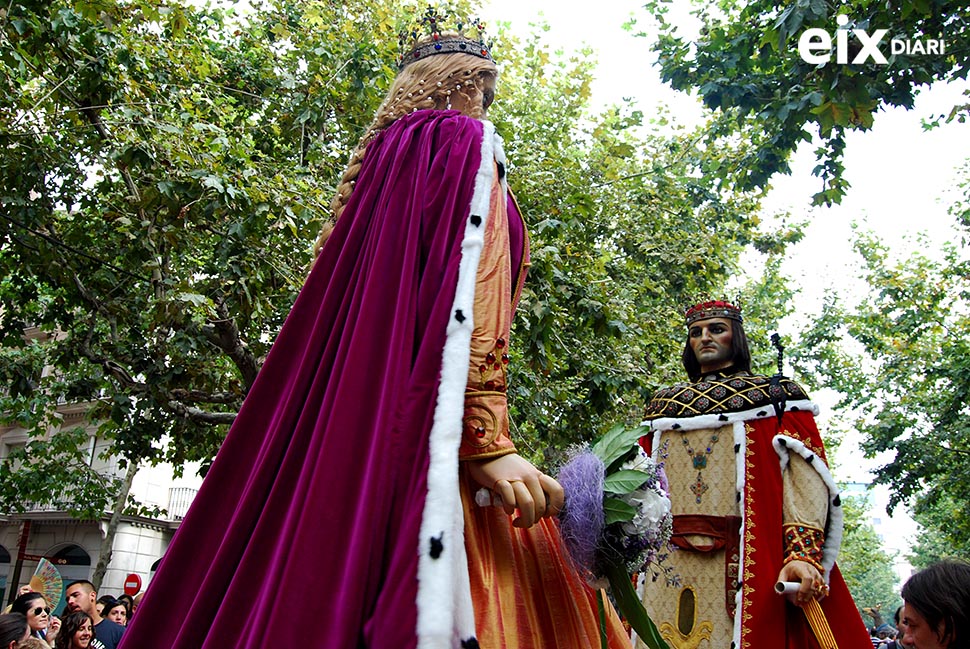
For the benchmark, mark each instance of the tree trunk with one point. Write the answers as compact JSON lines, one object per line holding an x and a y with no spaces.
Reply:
{"x":109,"y":536}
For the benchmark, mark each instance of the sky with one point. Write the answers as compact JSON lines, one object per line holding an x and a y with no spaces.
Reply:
{"x":903,"y":178}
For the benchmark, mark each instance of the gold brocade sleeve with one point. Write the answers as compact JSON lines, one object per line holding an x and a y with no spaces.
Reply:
{"x":805,"y":511}
{"x":485,"y":431}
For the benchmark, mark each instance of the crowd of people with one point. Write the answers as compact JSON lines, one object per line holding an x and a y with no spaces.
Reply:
{"x":935,"y":615}
{"x":886,"y":636}
{"x":87,"y":621}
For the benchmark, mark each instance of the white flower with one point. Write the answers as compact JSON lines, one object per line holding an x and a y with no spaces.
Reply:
{"x":651,"y":503}
{"x":652,"y":507}
{"x":640,"y":462}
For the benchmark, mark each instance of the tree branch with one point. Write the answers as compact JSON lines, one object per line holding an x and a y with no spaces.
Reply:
{"x":224,"y":334}
{"x":201,"y":416}
{"x":958,"y":451}
{"x":195,"y":414}
{"x":198,"y":396}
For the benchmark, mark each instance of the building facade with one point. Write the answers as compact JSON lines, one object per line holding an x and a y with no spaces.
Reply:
{"x":74,"y":546}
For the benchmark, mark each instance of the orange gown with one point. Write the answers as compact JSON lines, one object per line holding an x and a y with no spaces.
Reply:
{"x":525,"y":592}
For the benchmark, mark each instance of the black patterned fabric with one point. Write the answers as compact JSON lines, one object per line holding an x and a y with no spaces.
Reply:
{"x":717,"y":393}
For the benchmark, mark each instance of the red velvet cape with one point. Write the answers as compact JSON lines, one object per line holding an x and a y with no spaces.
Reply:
{"x":768,"y":620}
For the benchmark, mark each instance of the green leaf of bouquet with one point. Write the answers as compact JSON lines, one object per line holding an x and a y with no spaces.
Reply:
{"x":616,"y":442}
{"x":617,"y":511}
{"x":623,"y":482}
{"x":630,"y":607}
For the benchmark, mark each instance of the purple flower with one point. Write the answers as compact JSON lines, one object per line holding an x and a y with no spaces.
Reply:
{"x":582,"y":519}
{"x":662,"y":476}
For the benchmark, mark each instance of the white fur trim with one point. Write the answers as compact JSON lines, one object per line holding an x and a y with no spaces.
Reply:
{"x":784,"y":446}
{"x":715,"y":420}
{"x":445,"y":615}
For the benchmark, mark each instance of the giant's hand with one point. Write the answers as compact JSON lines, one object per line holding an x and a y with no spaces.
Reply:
{"x":521,"y":486}
{"x":812,"y":584}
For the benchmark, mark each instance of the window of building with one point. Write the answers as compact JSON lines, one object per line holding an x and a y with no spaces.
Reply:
{"x":74,"y":563}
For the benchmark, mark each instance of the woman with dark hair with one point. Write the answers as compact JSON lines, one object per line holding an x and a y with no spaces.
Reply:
{"x":129,"y":603}
{"x":13,"y":629}
{"x":34,"y":607}
{"x":936,"y":608}
{"x":77,"y":631}
{"x":116,"y":611}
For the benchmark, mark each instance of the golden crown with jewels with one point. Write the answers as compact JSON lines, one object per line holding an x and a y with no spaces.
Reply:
{"x":712,"y":309}
{"x":455,"y":39}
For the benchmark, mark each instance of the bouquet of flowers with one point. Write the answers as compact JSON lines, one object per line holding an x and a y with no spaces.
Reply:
{"x":617,"y":520}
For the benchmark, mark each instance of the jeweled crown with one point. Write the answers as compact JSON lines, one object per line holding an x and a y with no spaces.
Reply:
{"x":432,"y":24}
{"x":712,"y":309}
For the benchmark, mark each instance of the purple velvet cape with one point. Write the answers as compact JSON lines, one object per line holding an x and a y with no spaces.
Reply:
{"x":305,"y":531}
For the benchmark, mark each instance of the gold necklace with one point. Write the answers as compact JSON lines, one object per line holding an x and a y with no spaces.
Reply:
{"x":699,"y":460}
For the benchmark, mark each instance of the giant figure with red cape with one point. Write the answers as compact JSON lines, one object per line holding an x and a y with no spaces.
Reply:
{"x":754,"y":504}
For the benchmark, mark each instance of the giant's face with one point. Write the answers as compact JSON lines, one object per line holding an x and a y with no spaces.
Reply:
{"x":711,"y":341}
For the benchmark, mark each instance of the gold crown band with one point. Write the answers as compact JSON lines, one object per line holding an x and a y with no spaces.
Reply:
{"x":446,"y":46}
{"x":712,"y":309}
{"x":432,"y":24}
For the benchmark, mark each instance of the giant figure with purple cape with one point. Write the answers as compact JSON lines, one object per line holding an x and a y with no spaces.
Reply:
{"x":346,"y":486}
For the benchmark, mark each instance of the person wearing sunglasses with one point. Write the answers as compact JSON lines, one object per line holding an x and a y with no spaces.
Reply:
{"x":34,"y":607}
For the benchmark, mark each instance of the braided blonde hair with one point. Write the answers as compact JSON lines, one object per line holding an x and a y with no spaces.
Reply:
{"x":439,"y":82}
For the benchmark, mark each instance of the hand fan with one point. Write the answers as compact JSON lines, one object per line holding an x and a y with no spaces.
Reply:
{"x":47,"y":580}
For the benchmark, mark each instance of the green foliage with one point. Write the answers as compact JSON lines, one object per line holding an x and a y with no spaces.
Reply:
{"x":905,"y":377}
{"x":746,"y":67}
{"x":626,"y":227}
{"x":164,"y":168}
{"x":867,"y":569}
{"x":616,"y":444}
{"x":623,"y":482}
{"x":56,"y":473}
{"x":167,"y":166}
{"x":617,"y":511}
{"x":938,"y":538}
